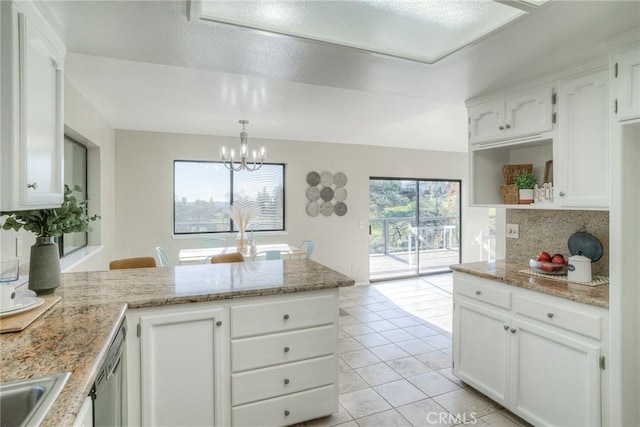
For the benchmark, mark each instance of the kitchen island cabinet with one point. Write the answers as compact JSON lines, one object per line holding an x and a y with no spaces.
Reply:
{"x":540,"y":356}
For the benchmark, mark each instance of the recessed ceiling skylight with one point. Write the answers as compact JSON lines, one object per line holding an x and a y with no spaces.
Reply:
{"x":425,"y":30}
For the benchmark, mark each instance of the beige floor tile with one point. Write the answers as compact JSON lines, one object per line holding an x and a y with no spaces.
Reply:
{"x":340,"y":417}
{"x":342,"y":365}
{"x":357,"y":329}
{"x":405,"y":321}
{"x":448,"y":351}
{"x":397,"y":335}
{"x":378,"y":306}
{"x":348,"y":320}
{"x":448,"y":374}
{"x":344,"y":303}
{"x":436,"y":360}
{"x":348,"y":424}
{"x":426,"y":413}
{"x":433,"y":384}
{"x":515,"y":418}
{"x":372,"y":340}
{"x":391,"y":313}
{"x":349,"y":381}
{"x":408,"y":367}
{"x":360,"y":358}
{"x":465,"y":401}
{"x":439,"y":342}
{"x":367,"y":317}
{"x":355,"y":309}
{"x":362,"y":403}
{"x":348,"y":344}
{"x":415,"y":346}
{"x":390,"y":418}
{"x":381,"y":325}
{"x":342,"y":333}
{"x":421,"y":331}
{"x":389,"y":352}
{"x":399,"y":392}
{"x":495,"y":419}
{"x":377,"y":374}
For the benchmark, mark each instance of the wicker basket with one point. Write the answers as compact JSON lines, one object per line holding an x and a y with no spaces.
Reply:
{"x":510,"y":172}
{"x":509,"y":194}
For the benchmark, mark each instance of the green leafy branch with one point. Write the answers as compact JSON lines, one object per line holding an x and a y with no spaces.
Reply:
{"x":70,"y":217}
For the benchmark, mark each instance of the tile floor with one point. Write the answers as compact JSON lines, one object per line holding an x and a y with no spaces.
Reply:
{"x":395,"y":360}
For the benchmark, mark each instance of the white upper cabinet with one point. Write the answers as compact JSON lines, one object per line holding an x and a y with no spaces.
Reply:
{"x":32,"y":110}
{"x":583,"y":142}
{"x":520,"y":115}
{"x":627,"y":74}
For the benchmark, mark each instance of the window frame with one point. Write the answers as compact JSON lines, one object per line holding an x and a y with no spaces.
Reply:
{"x":231,"y":192}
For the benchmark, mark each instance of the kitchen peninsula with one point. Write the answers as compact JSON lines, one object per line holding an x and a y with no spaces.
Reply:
{"x":251,"y":308}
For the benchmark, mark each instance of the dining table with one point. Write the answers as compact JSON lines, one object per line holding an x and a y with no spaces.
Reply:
{"x":200,"y":255}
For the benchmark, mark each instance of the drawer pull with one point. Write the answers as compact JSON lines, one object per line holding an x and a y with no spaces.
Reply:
{"x":513,"y":331}
{"x":286,"y":349}
{"x":34,"y":185}
{"x":501,"y":127}
{"x":219,"y":323}
{"x":507,"y":126}
{"x":506,"y":327}
{"x":286,"y":413}
{"x":286,"y":381}
{"x":478,"y":292}
{"x":550,"y":315}
{"x":286,"y":317}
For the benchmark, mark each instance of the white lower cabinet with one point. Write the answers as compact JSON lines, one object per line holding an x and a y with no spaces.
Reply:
{"x":85,"y":416}
{"x":268,"y":360}
{"x":535,"y":354}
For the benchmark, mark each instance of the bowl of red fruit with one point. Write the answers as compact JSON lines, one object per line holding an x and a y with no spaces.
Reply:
{"x":544,"y":263}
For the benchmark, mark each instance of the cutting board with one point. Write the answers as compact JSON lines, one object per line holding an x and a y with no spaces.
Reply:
{"x":20,"y":321}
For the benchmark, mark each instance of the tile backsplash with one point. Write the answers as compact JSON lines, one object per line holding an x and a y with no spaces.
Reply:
{"x":549,"y":230}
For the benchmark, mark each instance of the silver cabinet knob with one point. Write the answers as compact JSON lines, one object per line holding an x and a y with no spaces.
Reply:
{"x":286,"y":349}
{"x":219,"y":323}
{"x":33,"y":185}
{"x":506,"y":327}
{"x":286,"y":380}
{"x":286,"y":317}
{"x":562,"y":194}
{"x":508,"y":126}
{"x":501,"y":127}
{"x":478,"y":292}
{"x":513,"y":331}
{"x":286,"y":413}
{"x":550,"y":315}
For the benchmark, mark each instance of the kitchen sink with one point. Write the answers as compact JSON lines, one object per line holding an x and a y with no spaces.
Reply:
{"x":27,"y":402}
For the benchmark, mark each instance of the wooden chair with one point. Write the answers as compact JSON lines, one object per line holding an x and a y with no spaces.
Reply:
{"x":233,"y":257}
{"x":140,"y":262}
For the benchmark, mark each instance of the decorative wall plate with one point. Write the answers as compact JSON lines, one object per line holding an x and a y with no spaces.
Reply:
{"x":326,"y":208}
{"x":326,"y":178}
{"x":340,"y":208}
{"x":340,"y":194}
{"x":326,"y":194}
{"x":313,"y":178}
{"x":313,"y":209}
{"x":340,"y":179}
{"x":313,"y":194}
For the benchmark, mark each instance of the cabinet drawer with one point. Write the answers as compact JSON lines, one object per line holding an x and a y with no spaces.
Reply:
{"x":586,"y":324}
{"x":261,"y":318}
{"x":275,"y":349}
{"x":276,"y":381}
{"x":479,"y":291}
{"x":287,"y":410}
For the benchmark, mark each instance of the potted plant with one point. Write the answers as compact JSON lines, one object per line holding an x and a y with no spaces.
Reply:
{"x":525,"y":183}
{"x":44,"y":263}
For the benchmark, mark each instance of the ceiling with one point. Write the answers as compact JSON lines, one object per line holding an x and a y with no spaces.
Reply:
{"x":145,"y":66}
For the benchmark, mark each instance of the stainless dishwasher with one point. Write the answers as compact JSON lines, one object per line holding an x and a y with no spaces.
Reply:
{"x":108,"y":388}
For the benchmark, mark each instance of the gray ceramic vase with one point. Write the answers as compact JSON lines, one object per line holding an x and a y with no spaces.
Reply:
{"x":44,"y":266}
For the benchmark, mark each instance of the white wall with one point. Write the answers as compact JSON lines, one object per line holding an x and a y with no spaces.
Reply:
{"x":144,"y":192}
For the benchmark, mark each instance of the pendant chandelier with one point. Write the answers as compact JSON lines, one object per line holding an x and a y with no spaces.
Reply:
{"x":230,"y":161}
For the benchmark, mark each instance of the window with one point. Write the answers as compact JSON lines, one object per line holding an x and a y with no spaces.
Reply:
{"x":75,"y":174}
{"x":203,"y":191}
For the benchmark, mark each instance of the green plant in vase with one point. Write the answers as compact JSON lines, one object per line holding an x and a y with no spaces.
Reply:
{"x":525,"y":182}
{"x":70,"y":217}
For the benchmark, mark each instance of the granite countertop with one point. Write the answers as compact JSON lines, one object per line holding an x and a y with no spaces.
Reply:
{"x":509,"y":272}
{"x":74,"y":335}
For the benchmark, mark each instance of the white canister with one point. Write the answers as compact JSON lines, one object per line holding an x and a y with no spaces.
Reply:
{"x":579,"y":269}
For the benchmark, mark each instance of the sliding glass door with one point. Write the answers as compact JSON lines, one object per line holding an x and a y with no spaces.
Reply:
{"x":414,"y":226}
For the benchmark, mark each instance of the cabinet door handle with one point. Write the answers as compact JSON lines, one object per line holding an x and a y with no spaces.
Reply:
{"x":34,"y":185}
{"x":506,"y":327}
{"x":550,"y":315}
{"x":286,"y":317}
{"x":286,"y":380}
{"x":501,"y":127}
{"x":513,"y":331}
{"x":286,"y":413}
{"x":508,"y":126}
{"x":562,"y":194}
{"x":286,"y":349}
{"x":219,"y":323}
{"x":478,"y":292}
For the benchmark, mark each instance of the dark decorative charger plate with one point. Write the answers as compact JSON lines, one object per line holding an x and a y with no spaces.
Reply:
{"x":585,"y":244}
{"x":313,"y":178}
